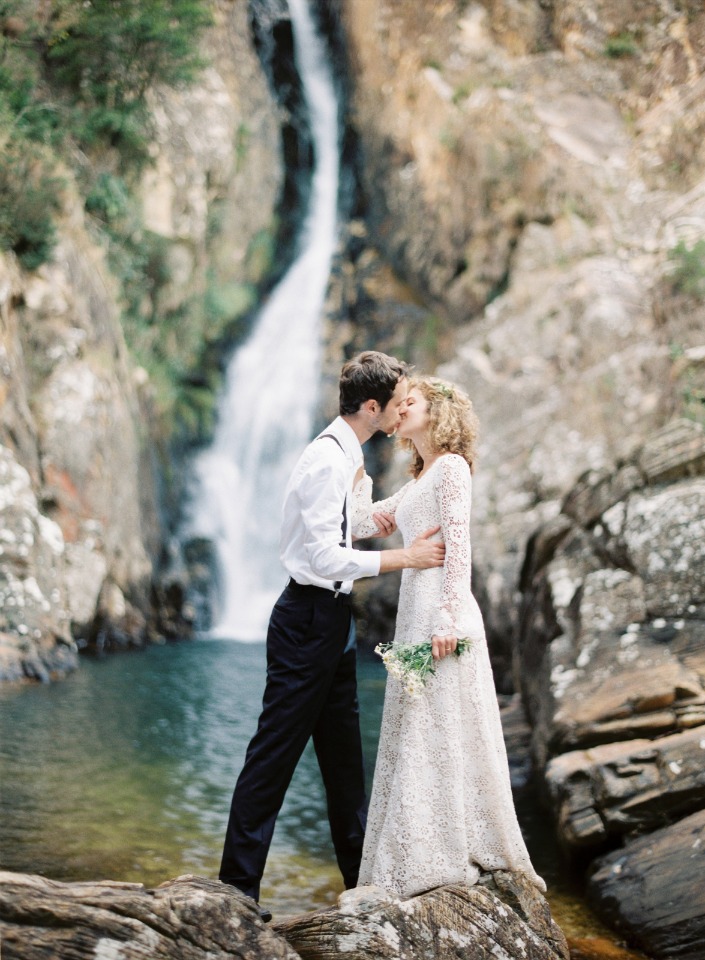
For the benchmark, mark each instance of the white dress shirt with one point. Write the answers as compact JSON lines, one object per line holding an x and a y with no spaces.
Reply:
{"x":310,"y":544}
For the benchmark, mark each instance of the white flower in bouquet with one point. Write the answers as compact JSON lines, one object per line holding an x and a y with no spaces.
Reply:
{"x":413,"y":664}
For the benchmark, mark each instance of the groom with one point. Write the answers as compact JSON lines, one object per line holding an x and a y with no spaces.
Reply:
{"x":311,"y":687}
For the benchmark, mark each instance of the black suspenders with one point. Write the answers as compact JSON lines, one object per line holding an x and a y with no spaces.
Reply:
{"x":344,"y":542}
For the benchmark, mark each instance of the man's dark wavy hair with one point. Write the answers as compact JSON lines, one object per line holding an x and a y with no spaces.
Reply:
{"x":370,"y":376}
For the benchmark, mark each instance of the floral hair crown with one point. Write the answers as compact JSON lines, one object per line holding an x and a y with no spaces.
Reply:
{"x":444,"y":389}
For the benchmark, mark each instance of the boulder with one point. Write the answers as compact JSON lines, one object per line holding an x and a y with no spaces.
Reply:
{"x":189,"y":918}
{"x":625,"y":788}
{"x":502,"y":918}
{"x":654,"y":889}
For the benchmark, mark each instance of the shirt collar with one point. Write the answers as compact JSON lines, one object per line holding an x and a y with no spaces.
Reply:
{"x":348,"y":438}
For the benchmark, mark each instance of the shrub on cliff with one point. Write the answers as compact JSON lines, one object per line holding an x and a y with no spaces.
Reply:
{"x":688,"y":269}
{"x":29,"y":131}
{"x":108,"y":53}
{"x":73,"y":85}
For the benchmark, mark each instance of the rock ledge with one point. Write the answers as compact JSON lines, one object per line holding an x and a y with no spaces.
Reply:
{"x":193,"y":918}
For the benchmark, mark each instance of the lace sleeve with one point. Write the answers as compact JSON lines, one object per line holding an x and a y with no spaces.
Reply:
{"x":362,"y":507}
{"x":452,"y":487}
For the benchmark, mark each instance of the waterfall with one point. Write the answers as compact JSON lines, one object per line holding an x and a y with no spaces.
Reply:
{"x":266,"y":413}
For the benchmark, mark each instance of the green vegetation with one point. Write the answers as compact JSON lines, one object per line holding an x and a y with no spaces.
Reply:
{"x":29,"y":186}
{"x":29,"y":199}
{"x":73,"y":85}
{"x":74,"y":76}
{"x":688,"y":273}
{"x":110,"y":53}
{"x":462,"y":92}
{"x":450,"y":139}
{"x":688,"y":376}
{"x":621,"y":45}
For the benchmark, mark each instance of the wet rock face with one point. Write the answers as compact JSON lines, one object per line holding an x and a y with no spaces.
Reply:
{"x":192,"y":918}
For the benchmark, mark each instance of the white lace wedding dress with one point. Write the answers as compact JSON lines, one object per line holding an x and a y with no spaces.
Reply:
{"x":441,"y":807}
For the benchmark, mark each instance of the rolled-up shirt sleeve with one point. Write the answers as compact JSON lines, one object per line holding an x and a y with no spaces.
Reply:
{"x":363,"y":508}
{"x":322,"y":490}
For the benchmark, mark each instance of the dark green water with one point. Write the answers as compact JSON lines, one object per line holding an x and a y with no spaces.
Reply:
{"x":125,"y":771}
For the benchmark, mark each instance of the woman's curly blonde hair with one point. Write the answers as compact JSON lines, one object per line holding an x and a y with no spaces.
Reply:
{"x":453,"y":424}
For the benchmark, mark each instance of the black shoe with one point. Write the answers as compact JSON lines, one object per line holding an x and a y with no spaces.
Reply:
{"x":265,"y":914}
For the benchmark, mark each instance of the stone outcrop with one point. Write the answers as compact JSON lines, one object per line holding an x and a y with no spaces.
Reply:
{"x":73,"y":469}
{"x":612,"y":666}
{"x":35,"y":639}
{"x":503,"y":918}
{"x":622,"y":788}
{"x":611,"y":639}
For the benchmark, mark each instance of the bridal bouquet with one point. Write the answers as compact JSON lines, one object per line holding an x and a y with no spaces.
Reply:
{"x":413,"y":664}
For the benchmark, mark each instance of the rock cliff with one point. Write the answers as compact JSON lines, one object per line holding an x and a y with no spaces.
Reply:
{"x":81,"y":455}
{"x":526,"y":175}
{"x":612,"y":665}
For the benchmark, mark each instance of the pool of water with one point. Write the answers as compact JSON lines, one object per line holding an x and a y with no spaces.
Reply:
{"x":125,"y":771}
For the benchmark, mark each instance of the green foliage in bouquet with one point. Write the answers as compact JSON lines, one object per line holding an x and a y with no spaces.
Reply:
{"x":413,"y":664}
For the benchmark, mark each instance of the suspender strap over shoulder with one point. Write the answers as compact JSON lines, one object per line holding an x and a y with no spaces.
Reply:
{"x":343,"y":543}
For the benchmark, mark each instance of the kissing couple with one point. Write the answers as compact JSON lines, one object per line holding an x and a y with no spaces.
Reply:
{"x":441,"y":808}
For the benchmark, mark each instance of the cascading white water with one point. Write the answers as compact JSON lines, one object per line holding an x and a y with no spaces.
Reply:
{"x":266,"y":414}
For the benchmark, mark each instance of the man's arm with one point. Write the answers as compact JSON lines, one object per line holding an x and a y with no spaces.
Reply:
{"x":421,"y":555}
{"x":322,"y":491}
{"x":321,"y":507}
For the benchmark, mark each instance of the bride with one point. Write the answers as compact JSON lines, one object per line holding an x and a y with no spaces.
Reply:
{"x":441,"y":808}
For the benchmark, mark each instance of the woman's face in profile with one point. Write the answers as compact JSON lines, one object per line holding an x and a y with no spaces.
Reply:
{"x":414,"y":415}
